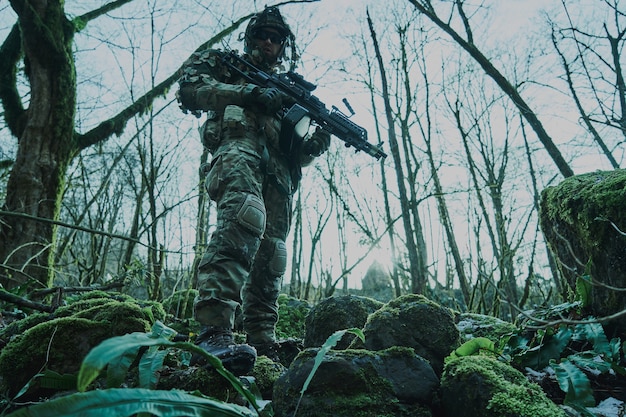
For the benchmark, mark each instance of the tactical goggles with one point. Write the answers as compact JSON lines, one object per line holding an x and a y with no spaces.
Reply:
{"x":264,"y":34}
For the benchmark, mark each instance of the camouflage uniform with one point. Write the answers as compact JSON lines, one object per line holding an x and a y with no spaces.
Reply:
{"x":249,"y":179}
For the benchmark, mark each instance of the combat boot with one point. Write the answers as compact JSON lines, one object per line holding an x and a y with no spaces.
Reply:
{"x":220,"y":342}
{"x":268,"y":349}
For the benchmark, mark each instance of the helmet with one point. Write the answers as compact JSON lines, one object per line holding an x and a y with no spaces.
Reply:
{"x":270,"y":17}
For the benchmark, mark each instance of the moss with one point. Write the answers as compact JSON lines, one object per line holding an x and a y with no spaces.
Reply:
{"x":417,"y":322}
{"x":124,"y":317}
{"x":473,"y":325}
{"x":91,"y":302}
{"x":291,"y":317}
{"x":480,"y":382}
{"x":20,"y":326}
{"x":266,"y":372}
{"x":338,"y":313}
{"x":579,"y":218}
{"x":154,"y":309}
{"x":582,"y":200}
{"x":58,"y":345}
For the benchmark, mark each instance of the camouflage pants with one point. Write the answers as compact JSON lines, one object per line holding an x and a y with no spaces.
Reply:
{"x":246,"y":257}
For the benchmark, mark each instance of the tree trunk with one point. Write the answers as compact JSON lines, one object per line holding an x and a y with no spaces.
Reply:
{"x":45,"y":146}
{"x":418,"y":283}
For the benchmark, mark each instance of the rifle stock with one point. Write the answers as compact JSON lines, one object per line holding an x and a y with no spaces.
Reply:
{"x":295,"y":86}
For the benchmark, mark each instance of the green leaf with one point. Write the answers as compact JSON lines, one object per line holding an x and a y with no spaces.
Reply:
{"x":593,"y":332}
{"x":583,"y":290}
{"x":590,"y":360}
{"x":112,"y":352}
{"x":118,"y":366}
{"x":574,"y":383}
{"x":552,"y":347}
{"x":123,"y":402}
{"x":330,"y":343}
{"x":149,"y":365}
{"x":472,"y":347}
{"x":51,"y":380}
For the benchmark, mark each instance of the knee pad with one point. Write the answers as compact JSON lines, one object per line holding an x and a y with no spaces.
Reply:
{"x":252,"y":215}
{"x":278,"y":260}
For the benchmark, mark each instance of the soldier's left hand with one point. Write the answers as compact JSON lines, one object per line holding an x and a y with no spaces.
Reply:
{"x":318,"y":143}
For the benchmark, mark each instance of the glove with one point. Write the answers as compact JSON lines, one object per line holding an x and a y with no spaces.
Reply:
{"x":318,"y":143}
{"x":269,"y":100}
{"x":185,"y":96}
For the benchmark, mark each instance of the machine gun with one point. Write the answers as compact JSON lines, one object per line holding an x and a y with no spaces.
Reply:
{"x":306,"y":107}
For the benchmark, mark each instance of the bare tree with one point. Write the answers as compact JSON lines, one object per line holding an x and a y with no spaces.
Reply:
{"x":467,"y":43}
{"x":417,"y":267}
{"x":591,"y":59}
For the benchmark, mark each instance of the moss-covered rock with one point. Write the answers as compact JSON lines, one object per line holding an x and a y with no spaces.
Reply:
{"x":416,"y":322}
{"x":337,"y":313}
{"x":205,"y":380}
{"x":584,"y":221}
{"x":481,"y":386}
{"x":292,"y":314}
{"x":357,"y":383}
{"x":58,"y":345}
{"x":473,"y":325}
{"x":266,"y":372}
{"x":60,"y":341}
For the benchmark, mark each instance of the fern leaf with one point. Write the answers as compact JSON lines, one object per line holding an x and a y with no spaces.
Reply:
{"x":574,"y":383}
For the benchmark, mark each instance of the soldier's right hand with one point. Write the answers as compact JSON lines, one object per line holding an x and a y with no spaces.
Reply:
{"x":270,"y":100}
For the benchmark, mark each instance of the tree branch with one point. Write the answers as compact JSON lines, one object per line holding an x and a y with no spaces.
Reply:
{"x":10,"y":54}
{"x":503,"y":83}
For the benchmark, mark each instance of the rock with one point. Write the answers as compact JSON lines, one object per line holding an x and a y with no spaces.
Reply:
{"x":584,"y":222}
{"x":416,"y":322}
{"x":337,"y":313}
{"x":358,"y":383}
{"x":60,"y":343}
{"x":291,"y":317}
{"x":472,"y":325}
{"x":481,"y":386}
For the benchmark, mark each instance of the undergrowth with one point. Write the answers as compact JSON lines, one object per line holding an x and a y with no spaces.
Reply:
{"x":147,"y":352}
{"x":566,"y":351}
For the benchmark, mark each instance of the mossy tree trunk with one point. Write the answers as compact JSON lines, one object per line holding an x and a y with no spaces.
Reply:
{"x":42,"y":39}
{"x":45,"y":134}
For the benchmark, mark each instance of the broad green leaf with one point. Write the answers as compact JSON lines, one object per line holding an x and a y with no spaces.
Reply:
{"x":118,"y":367}
{"x":473,"y":347}
{"x":161,"y":330}
{"x":593,"y":332}
{"x":590,"y":360}
{"x":583,"y":290}
{"x":149,"y":365}
{"x":50,"y":379}
{"x":574,"y":383}
{"x":123,"y":402}
{"x":551,"y":348}
{"x":111,"y":351}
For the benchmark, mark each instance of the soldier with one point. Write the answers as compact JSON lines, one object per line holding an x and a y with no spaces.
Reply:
{"x":252,"y":180}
